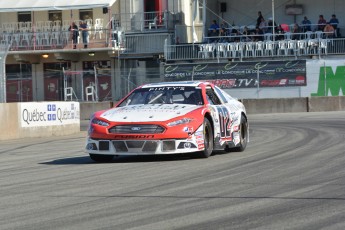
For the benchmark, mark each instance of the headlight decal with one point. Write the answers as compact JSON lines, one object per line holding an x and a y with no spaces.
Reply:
{"x":180,"y":122}
{"x":99,"y":122}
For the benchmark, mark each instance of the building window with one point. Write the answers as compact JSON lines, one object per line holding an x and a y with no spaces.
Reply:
{"x":24,"y":16}
{"x":85,"y":14}
{"x":200,"y":13}
{"x":55,"y":15}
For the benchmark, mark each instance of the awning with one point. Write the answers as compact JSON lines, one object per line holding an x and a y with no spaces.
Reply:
{"x":39,"y":5}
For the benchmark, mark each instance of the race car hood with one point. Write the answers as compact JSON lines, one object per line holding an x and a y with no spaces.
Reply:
{"x":147,"y":113}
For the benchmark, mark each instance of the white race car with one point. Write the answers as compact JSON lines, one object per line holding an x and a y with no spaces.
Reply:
{"x":169,"y":118}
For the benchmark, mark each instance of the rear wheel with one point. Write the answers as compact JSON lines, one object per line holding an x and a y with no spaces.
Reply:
{"x":101,"y":158}
{"x":208,"y":139}
{"x":243,"y":135}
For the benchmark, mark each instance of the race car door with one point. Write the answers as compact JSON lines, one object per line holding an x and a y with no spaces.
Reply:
{"x":222,"y":117}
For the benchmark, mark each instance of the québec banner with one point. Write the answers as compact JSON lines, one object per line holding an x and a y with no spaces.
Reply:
{"x":241,"y":74}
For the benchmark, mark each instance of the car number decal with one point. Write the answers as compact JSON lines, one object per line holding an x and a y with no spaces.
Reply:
{"x":225,"y":122}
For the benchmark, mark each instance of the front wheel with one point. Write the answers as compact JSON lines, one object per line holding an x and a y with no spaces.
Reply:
{"x":101,"y":158}
{"x":208,"y":139}
{"x":243,"y":135}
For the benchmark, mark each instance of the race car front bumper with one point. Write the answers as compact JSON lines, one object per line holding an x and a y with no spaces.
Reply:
{"x":144,"y":147}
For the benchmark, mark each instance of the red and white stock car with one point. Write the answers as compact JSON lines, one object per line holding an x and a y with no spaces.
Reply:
{"x":169,"y":118}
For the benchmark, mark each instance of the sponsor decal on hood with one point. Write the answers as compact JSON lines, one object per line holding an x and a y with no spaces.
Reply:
{"x":146,"y":113}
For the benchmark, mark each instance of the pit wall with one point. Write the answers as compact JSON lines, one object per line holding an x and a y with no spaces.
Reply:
{"x":38,"y":119}
{"x":294,"y":105}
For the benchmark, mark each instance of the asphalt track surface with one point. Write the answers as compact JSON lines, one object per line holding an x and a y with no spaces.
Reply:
{"x":291,"y":176}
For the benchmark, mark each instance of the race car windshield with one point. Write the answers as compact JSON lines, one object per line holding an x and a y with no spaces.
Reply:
{"x":165,"y":95}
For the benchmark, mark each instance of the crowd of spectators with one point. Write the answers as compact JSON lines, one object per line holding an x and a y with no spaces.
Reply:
{"x":226,"y":33}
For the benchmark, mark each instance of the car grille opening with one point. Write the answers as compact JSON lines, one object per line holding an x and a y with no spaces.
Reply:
{"x":135,"y":146}
{"x":168,"y":145}
{"x":104,"y":145}
{"x":122,"y":129}
{"x":120,"y":146}
{"x":150,"y":146}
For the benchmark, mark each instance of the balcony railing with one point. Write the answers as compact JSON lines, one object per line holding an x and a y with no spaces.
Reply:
{"x":239,"y":50}
{"x":47,"y":40}
{"x":143,"y":21}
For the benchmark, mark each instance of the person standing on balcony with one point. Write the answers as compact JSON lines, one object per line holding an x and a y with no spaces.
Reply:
{"x":306,"y":24}
{"x":321,"y":23}
{"x":259,"y":19}
{"x":263,"y":25}
{"x":75,"y":33}
{"x":84,"y":33}
{"x":334,"y":22}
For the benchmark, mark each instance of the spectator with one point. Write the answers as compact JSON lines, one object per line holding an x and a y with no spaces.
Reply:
{"x":259,"y":34}
{"x":285,"y":27}
{"x":296,"y":32}
{"x":321,"y":23}
{"x":280,"y":33}
{"x":213,"y":36}
{"x":329,"y":31}
{"x":270,"y":26}
{"x":246,"y":34}
{"x":237,"y":35}
{"x":263,"y":25}
{"x":334,"y":22}
{"x":75,"y":33}
{"x":84,"y":32}
{"x":226,"y":27}
{"x":306,"y":24}
{"x":214,"y":25}
{"x":259,"y":19}
{"x":222,"y":35}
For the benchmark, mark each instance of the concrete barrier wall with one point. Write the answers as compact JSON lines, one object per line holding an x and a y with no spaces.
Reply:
{"x":321,"y":104}
{"x":88,"y":108}
{"x":9,"y":121}
{"x":35,"y":119}
{"x":282,"y":105}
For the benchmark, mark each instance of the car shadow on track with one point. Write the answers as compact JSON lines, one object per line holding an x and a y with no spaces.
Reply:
{"x":121,"y":159}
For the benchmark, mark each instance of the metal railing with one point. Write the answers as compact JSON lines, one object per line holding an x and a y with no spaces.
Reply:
{"x":143,"y":21}
{"x":239,"y":50}
{"x":47,"y":40}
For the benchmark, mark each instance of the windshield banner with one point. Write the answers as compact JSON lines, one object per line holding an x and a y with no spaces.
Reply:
{"x":241,"y":74}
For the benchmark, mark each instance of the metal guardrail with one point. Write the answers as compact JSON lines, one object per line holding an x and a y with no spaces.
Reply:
{"x":245,"y":50}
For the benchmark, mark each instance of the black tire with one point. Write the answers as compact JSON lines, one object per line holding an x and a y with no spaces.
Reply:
{"x":243,"y":135}
{"x":208,"y":139}
{"x":101,"y":158}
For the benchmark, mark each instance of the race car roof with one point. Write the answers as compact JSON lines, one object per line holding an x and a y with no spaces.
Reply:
{"x":176,"y":83}
{"x":39,"y":5}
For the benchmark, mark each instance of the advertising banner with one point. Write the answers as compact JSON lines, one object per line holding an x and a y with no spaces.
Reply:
{"x":49,"y":113}
{"x":242,"y":74}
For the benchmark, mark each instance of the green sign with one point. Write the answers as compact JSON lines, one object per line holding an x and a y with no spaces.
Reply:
{"x":330,"y":81}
